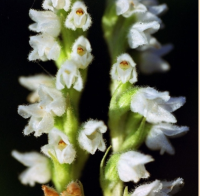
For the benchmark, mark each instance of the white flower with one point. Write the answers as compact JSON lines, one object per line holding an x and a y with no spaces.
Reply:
{"x":155,"y":106}
{"x":56,"y":5}
{"x":124,"y":70}
{"x":151,"y":60}
{"x":131,"y":166}
{"x":149,"y":2}
{"x":173,"y":186}
{"x":81,"y":52}
{"x":38,"y":168}
{"x":90,"y":137}
{"x":152,"y":43}
{"x":32,"y":83}
{"x":139,"y":32}
{"x":52,"y":100}
{"x":44,"y":47}
{"x":78,"y":17}
{"x":45,"y":22}
{"x":159,"y":188}
{"x":42,"y":114}
{"x":129,"y":7}
{"x":149,"y":17}
{"x":158,"y":9}
{"x":40,"y":121}
{"x":59,"y":146}
{"x":69,"y":75}
{"x":157,"y":140}
{"x":154,"y":8}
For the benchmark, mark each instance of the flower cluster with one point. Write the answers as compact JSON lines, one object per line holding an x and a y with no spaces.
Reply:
{"x":146,"y":22}
{"x":137,"y":115}
{"x":47,"y":103}
{"x":41,"y":114}
{"x":69,"y":74}
{"x":157,"y":107}
{"x":49,"y":24}
{"x":131,"y":168}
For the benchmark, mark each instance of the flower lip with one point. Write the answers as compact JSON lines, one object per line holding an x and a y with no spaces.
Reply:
{"x":61,"y":144}
{"x":124,"y":64}
{"x":80,"y":12}
{"x":67,"y":71}
{"x":81,"y":50}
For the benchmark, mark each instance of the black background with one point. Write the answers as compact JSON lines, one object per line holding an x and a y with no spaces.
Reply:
{"x":181,"y":30}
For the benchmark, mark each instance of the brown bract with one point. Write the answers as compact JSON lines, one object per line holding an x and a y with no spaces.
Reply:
{"x":73,"y":189}
{"x":48,"y":191}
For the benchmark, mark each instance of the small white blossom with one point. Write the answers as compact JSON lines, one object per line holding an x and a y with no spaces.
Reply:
{"x":158,"y":9}
{"x":78,"y":17}
{"x":124,"y":70}
{"x":157,"y":140}
{"x":45,"y":47}
{"x":152,"y":43}
{"x":40,"y":121}
{"x":59,"y":146}
{"x":69,"y":75}
{"x":91,"y":136}
{"x":159,"y":188}
{"x":129,"y":7}
{"x":155,"y":106}
{"x":154,"y":8}
{"x":38,"y":168}
{"x":33,"y":83}
{"x":52,"y":100}
{"x":151,"y":60}
{"x":42,"y":114}
{"x":149,"y":17}
{"x":131,"y":166}
{"x":172,"y":187}
{"x":149,"y":2}
{"x":81,"y":52}
{"x":45,"y":22}
{"x":56,"y":4}
{"x":140,"y":31}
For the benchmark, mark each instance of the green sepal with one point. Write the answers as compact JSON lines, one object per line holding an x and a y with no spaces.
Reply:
{"x":111,"y":173}
{"x":134,"y":140}
{"x":70,"y":122}
{"x":132,"y":123}
{"x":122,"y":92}
{"x":61,"y":174}
{"x":126,"y":192}
{"x":58,"y":122}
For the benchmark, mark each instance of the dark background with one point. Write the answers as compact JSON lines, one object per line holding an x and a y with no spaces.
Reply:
{"x":181,"y":30}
